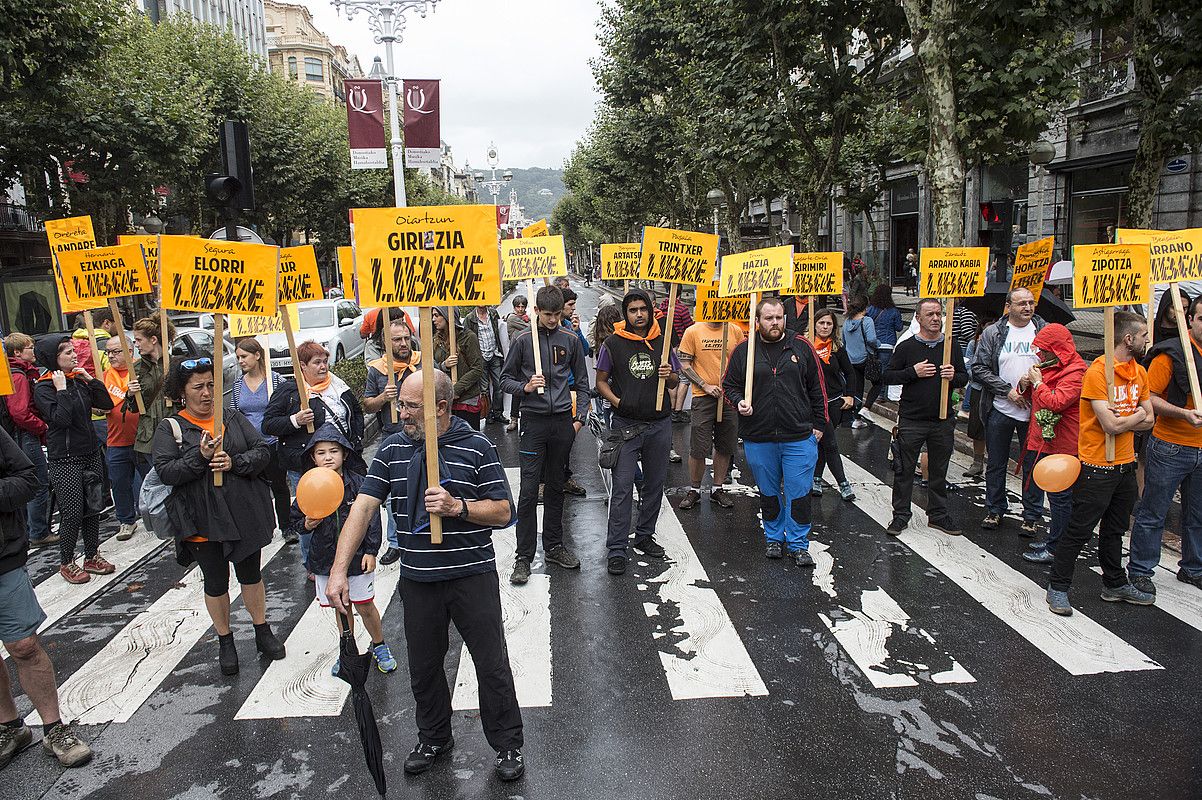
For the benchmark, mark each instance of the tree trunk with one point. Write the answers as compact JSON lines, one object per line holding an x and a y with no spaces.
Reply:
{"x":1149,"y":152}
{"x":807,"y":217}
{"x":945,"y":158}
{"x":735,"y":199}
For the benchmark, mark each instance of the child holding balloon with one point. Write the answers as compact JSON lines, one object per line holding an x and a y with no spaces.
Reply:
{"x":323,"y":500}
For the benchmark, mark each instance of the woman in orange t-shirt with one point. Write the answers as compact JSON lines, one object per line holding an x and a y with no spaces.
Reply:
{"x":838,"y":373}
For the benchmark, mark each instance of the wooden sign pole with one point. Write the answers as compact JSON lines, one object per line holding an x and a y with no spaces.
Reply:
{"x":1190,"y":368}
{"x":809,"y":318}
{"x":139,"y":403}
{"x":97,"y":364}
{"x":218,"y":387}
{"x":1108,"y":347}
{"x":753,"y":333}
{"x":429,"y":416}
{"x":626,"y":287}
{"x":534,"y":323}
{"x":722,"y":366}
{"x":667,"y":349}
{"x":452,"y":339}
{"x":944,"y":383}
{"x":296,"y":370}
{"x":164,"y":342}
{"x":386,"y":340}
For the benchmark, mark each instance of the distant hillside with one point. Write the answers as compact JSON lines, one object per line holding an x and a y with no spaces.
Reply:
{"x":538,"y":190}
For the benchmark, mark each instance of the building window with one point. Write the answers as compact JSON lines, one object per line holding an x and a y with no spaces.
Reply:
{"x":313,"y":70}
{"x":292,"y":67}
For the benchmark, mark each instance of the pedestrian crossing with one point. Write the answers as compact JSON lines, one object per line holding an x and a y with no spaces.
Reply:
{"x":692,"y":632}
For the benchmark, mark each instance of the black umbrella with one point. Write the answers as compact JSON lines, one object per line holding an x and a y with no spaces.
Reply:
{"x":992,"y":304}
{"x":353,"y":668}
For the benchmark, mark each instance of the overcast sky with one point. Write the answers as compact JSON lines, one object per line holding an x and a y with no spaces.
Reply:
{"x":513,"y":71}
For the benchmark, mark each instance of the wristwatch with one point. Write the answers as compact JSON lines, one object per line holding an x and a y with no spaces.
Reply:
{"x":463,"y":511}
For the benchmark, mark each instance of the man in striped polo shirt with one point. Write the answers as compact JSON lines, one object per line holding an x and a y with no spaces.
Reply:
{"x":440,"y":583}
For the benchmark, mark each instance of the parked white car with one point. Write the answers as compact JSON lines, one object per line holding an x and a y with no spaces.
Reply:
{"x":332,"y":323}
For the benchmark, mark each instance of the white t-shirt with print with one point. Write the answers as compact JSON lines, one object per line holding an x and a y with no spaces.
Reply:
{"x":1017,"y":356}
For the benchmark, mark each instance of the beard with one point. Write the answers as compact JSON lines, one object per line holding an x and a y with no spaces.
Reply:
{"x":772,"y":334}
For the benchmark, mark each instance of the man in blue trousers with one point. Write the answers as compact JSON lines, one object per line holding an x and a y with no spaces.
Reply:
{"x":781,"y":427}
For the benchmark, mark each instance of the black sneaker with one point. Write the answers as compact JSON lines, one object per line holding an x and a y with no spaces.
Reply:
{"x":1193,"y":580}
{"x":896,"y":526}
{"x":991,"y":522}
{"x":1143,"y":583}
{"x":424,"y":755}
{"x":572,"y":487}
{"x":650,"y":547}
{"x":774,"y":550}
{"x":722,"y":498}
{"x":562,"y":556}
{"x":945,"y":525}
{"x":291,"y":536}
{"x":691,"y":498}
{"x":802,"y":558}
{"x":616,"y":565}
{"x":521,"y":572}
{"x":391,"y":556}
{"x":509,"y":765}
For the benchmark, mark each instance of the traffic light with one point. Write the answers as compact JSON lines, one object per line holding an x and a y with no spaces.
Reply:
{"x":996,"y":214}
{"x":222,"y":189}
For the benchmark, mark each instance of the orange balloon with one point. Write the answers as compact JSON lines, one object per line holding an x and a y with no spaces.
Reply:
{"x":1057,"y":472}
{"x":319,"y":492}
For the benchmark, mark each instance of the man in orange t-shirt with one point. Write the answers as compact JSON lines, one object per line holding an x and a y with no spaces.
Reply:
{"x":701,"y":359}
{"x":1106,"y":490}
{"x":1174,"y":455}
{"x":124,"y":472}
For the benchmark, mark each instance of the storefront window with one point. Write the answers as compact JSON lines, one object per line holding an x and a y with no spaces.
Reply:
{"x":1099,"y":204}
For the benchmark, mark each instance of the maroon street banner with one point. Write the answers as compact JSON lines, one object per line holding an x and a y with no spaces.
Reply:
{"x":502,"y":216}
{"x":365,"y":123}
{"x":423,"y":142}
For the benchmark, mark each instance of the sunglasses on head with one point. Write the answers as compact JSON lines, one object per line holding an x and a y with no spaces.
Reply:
{"x":193,"y":363}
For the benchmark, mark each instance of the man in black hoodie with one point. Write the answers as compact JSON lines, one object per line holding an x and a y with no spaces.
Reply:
{"x":913,"y":367}
{"x":629,"y":370}
{"x":781,"y":430}
{"x":20,"y":618}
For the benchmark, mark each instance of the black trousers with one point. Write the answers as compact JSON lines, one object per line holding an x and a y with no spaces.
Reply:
{"x":828,"y":448}
{"x":1106,"y":496}
{"x":474,"y":605}
{"x":546,"y":443}
{"x":939,"y":437}
{"x":277,"y":475}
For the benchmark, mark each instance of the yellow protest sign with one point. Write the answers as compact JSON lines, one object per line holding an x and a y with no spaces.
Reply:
{"x":1110,"y":275}
{"x":713,"y":308}
{"x":676,"y":256}
{"x":346,"y":270}
{"x":299,"y":280}
{"x":1031,"y":264}
{"x":620,"y":262}
{"x":6,"y":375}
{"x":524,"y":260}
{"x":953,"y":271}
{"x":90,"y":277}
{"x":427,"y":256}
{"x":150,"y":247}
{"x":769,"y":269}
{"x":1175,"y":256}
{"x":64,"y":235}
{"x":217,"y":276}
{"x":817,"y":274}
{"x":535,"y":229}
{"x":242,"y":325}
{"x":1135,"y":235}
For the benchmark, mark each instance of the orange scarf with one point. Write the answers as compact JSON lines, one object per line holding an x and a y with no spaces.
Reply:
{"x":318,"y":388}
{"x":203,"y":424}
{"x":824,"y":348}
{"x":652,"y":333}
{"x":399,"y":367}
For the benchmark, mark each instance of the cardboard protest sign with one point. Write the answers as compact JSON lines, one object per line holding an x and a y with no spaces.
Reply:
{"x":1175,"y":256}
{"x":535,"y":229}
{"x":150,"y":246}
{"x":1031,"y":264}
{"x":525,"y":259}
{"x":243,"y":325}
{"x":65,"y":235}
{"x":713,"y":308}
{"x":299,"y":280}
{"x":426,"y":256}
{"x":676,"y":256}
{"x":1110,"y":275}
{"x":620,"y":262}
{"x":346,"y":270}
{"x":6,"y":375}
{"x":90,"y":277}
{"x":953,"y":271}
{"x":1135,"y":235}
{"x":217,"y":276}
{"x":817,"y":274}
{"x":769,"y":269}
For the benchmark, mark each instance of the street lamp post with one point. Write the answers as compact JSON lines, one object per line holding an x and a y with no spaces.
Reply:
{"x":1041,"y":154}
{"x":590,"y":256}
{"x":715,"y":198}
{"x":494,"y":184}
{"x":386,"y":18}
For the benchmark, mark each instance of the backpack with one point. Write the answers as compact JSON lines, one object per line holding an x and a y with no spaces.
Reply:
{"x":83,"y":356}
{"x":152,"y":499}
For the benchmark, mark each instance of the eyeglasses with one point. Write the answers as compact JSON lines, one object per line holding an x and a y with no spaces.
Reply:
{"x":193,"y":363}
{"x":405,"y":404}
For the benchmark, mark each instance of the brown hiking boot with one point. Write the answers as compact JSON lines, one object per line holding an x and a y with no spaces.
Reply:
{"x":73,"y":574}
{"x":691,"y":498}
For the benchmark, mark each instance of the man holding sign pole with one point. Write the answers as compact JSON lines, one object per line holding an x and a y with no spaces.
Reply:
{"x":704,"y":351}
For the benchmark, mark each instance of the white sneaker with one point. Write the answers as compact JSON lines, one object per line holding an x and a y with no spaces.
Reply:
{"x":863,"y":412}
{"x":125,"y":532}
{"x":859,"y":423}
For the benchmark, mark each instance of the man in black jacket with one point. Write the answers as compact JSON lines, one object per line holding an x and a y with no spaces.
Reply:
{"x":913,"y":367}
{"x":629,"y":370}
{"x":485,"y":323}
{"x":20,"y":618}
{"x":781,"y":430}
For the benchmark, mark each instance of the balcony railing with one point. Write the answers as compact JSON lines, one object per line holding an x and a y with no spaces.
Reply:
{"x":17,"y":218}
{"x":1108,"y":78}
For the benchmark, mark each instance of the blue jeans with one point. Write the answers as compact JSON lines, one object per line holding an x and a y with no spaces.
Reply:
{"x":37,"y":510}
{"x":999,"y":433}
{"x":784,"y":472}
{"x":1061,"y":504}
{"x":1166,"y":467}
{"x":126,"y":476}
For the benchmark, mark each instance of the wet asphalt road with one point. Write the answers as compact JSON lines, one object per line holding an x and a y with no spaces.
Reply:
{"x":885,"y":676}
